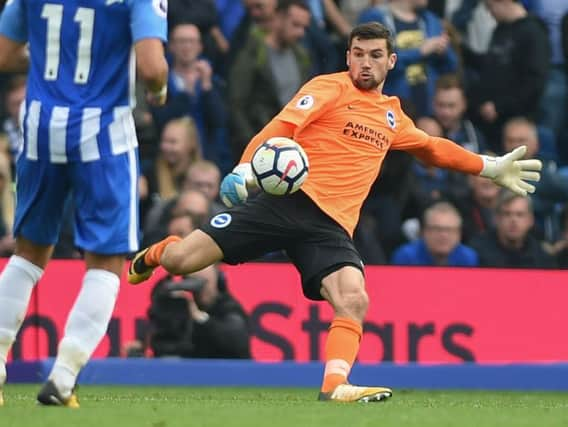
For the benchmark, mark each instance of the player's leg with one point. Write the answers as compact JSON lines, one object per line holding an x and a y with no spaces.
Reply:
{"x":344,"y":289}
{"x":106,"y":226}
{"x":40,"y":190}
{"x":17,"y":281}
{"x":242,"y":233}
{"x":332,"y":269}
{"x":86,"y":326}
{"x":178,"y":256}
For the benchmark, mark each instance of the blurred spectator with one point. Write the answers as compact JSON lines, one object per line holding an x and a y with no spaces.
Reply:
{"x":563,"y":147}
{"x":189,"y":202}
{"x":553,"y":186}
{"x":367,"y":241}
{"x":325,"y":43}
{"x":7,"y":205}
{"x":179,"y":147}
{"x":554,"y":102}
{"x":560,"y":247}
{"x":195,"y":91}
{"x":195,"y":316}
{"x":205,"y":176}
{"x":352,"y":9}
{"x":513,"y":73}
{"x":478,"y":208}
{"x":14,"y":97}
{"x":194,"y":203}
{"x":230,"y":12}
{"x":256,"y":22}
{"x":512,"y":244}
{"x":203,"y":14}
{"x":332,"y":18}
{"x":221,"y":324}
{"x":268,"y":71}
{"x":450,"y":105}
{"x":423,"y":49}
{"x":475,"y":24}
{"x":440,"y":242}
{"x":329,"y":23}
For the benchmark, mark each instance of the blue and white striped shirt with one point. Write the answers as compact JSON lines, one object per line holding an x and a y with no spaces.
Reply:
{"x":81,"y":80}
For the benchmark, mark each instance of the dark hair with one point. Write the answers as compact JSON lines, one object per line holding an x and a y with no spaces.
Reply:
{"x":285,"y":5}
{"x":372,"y":30}
{"x":449,"y":81}
{"x":506,"y":197}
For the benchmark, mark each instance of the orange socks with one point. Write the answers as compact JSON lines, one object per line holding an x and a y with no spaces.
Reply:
{"x":154,"y":254}
{"x":341,"y":348}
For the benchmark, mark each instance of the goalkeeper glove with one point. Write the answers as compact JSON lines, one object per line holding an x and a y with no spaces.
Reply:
{"x":234,"y":185}
{"x":511,"y":172}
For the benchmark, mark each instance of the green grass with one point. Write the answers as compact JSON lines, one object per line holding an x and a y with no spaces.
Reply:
{"x":263,"y":407}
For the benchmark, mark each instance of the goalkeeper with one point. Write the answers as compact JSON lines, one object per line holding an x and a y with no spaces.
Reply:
{"x":346,"y":126}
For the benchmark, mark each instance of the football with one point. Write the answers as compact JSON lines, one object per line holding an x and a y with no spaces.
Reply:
{"x":280,"y":166}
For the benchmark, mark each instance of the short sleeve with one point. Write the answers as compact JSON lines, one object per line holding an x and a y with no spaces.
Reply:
{"x":13,"y":21}
{"x":148,"y":19}
{"x":311,"y":101}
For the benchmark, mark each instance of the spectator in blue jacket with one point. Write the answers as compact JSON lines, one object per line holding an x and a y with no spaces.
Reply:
{"x":423,"y":49}
{"x":195,"y":90}
{"x":440,"y":243}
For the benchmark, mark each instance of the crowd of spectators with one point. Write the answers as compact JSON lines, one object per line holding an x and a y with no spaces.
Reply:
{"x":489,"y":74}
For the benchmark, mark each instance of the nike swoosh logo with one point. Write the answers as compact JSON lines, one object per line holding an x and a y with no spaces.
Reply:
{"x":291,"y":164}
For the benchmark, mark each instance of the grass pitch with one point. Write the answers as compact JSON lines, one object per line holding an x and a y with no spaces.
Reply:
{"x":267,"y":407}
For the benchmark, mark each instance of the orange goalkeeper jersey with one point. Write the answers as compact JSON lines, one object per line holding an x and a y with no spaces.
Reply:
{"x":346,"y":133}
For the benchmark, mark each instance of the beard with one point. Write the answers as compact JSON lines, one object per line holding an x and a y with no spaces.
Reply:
{"x":369,"y":84}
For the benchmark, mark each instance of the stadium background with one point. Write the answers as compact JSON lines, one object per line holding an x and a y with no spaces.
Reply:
{"x":430,"y":316}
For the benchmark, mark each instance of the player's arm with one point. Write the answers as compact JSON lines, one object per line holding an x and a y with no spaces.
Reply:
{"x":234,"y":186}
{"x":443,"y":153}
{"x":309,"y":103}
{"x":508,"y":170}
{"x":149,"y":28}
{"x":13,"y":55}
{"x":152,"y":68}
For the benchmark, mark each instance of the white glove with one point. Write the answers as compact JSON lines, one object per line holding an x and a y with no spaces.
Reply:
{"x":510,"y":172}
{"x":234,"y":186}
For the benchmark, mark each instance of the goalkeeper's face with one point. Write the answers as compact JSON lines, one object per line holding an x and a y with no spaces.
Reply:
{"x":369,"y":62}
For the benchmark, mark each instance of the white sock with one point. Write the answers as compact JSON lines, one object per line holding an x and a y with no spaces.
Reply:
{"x":86,"y":326}
{"x":16,"y":284}
{"x":2,"y":378}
